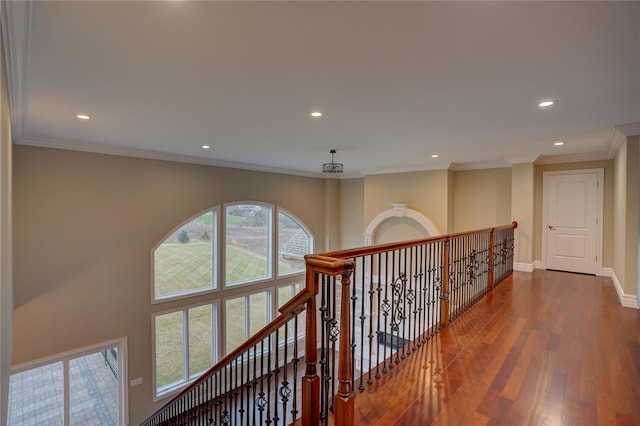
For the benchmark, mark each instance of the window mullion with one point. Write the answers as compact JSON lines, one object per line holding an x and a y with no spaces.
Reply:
{"x":214,"y":333}
{"x":273,"y":235}
{"x":67,"y":400}
{"x":247,"y":317}
{"x":185,"y":343}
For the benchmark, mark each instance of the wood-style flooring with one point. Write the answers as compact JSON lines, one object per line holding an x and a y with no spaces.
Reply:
{"x":547,"y":348}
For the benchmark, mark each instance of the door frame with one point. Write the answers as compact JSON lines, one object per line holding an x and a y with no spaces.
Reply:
{"x":600,"y":202}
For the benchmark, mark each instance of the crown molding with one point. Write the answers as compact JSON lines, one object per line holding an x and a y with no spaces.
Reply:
{"x":157,"y":155}
{"x":616,"y":139}
{"x":576,"y":158}
{"x":500,"y":164}
{"x":523,"y":160}
{"x":406,"y":170}
{"x":629,"y":129}
{"x":17,"y":22}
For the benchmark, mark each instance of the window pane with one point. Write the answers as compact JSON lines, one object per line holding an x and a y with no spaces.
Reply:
{"x":183,"y":263}
{"x":93,"y":389}
{"x":235,"y":322}
{"x":293,"y":243}
{"x":201,"y":339}
{"x":36,"y":396}
{"x":258,"y":304}
{"x":285,"y":293}
{"x":169,"y":350}
{"x":247,"y":243}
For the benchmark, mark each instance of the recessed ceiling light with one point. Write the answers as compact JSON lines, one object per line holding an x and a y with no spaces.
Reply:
{"x":558,"y":143}
{"x":434,"y":155}
{"x":205,"y":147}
{"x":316,"y":114}
{"x":544,"y":104}
{"x":82,"y":116}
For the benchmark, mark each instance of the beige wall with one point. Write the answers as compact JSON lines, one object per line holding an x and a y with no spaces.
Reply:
{"x":351,"y":203}
{"x":633,"y":212}
{"x":522,"y":211}
{"x":626,"y":208}
{"x":620,"y":212}
{"x":608,"y":208}
{"x":6,"y":283}
{"x":84,"y":226}
{"x":482,"y":199}
{"x":427,"y":192}
{"x":331,"y":215}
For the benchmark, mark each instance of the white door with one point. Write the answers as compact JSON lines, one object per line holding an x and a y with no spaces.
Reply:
{"x":571,"y":220}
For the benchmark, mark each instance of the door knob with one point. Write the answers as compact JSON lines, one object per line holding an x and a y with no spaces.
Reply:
{"x":552,"y":227}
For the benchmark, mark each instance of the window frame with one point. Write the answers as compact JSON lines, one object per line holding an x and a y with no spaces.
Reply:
{"x":247,"y":312}
{"x":271,"y":229}
{"x":215,"y":262}
{"x":221,"y":291}
{"x":276,"y":245}
{"x":121,"y":344}
{"x":215,"y":342}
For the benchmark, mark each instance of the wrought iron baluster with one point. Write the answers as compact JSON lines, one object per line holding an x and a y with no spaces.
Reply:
{"x":285,"y":390}
{"x":295,"y":360}
{"x":276,"y":373}
{"x":334,"y":332}
{"x":371,"y":306}
{"x":379,"y":300}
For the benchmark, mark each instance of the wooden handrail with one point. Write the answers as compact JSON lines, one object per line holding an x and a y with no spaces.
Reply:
{"x":363,"y":251}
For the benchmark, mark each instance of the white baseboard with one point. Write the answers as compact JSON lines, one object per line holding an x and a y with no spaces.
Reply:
{"x":626,"y":300}
{"x":522,"y":267}
{"x":607,"y":272}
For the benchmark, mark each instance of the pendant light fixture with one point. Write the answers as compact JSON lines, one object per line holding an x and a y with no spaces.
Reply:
{"x":332,"y":167}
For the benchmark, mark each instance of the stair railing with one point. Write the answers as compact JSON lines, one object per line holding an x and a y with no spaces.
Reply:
{"x":365,"y":310}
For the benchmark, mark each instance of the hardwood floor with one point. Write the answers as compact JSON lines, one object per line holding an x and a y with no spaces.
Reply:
{"x":547,"y":348}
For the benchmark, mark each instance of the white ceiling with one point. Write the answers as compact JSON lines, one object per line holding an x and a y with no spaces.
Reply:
{"x":396,"y":81}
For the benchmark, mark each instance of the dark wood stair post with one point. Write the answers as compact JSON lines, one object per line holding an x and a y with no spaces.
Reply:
{"x":311,"y":381}
{"x":344,"y":399}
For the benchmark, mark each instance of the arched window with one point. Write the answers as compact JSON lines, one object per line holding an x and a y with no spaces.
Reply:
{"x":249,"y":256}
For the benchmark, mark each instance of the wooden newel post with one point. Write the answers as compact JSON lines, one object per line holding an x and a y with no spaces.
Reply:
{"x":311,"y":381}
{"x":444,"y":306}
{"x":491,"y":258}
{"x":344,"y":399}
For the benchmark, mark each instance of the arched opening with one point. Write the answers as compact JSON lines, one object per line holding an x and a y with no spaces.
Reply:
{"x":397,"y":224}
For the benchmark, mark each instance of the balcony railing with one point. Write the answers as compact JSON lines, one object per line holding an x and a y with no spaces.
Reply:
{"x":362,"y":312}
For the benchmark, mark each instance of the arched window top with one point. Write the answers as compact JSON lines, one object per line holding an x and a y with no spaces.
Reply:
{"x":239,"y":243}
{"x":184,"y":262}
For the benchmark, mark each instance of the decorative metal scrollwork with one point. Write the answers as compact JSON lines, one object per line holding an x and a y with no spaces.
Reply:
{"x":397,"y":310}
{"x":474,"y":265}
{"x":261,"y":401}
{"x":504,"y":251}
{"x":334,"y":331}
{"x":285,"y":392}
{"x":225,"y":419}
